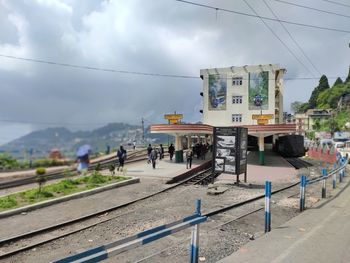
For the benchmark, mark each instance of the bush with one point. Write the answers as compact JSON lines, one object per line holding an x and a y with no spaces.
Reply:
{"x":112,"y":169}
{"x":8,"y":162}
{"x":96,"y":178}
{"x":40,"y":171}
{"x":98,"y":167}
{"x":7,"y":202}
{"x":40,"y":179}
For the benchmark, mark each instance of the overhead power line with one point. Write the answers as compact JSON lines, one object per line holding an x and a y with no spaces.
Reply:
{"x":312,"y":8}
{"x":263,"y":17}
{"x":295,"y":42}
{"x":336,"y":3}
{"x":40,"y":61}
{"x":98,"y":69}
{"x":283,"y":43}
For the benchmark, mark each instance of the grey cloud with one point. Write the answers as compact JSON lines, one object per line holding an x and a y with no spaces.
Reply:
{"x":154,"y":36}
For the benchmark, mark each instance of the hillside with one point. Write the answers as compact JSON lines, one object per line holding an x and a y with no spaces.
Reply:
{"x":335,"y":97}
{"x":112,"y":134}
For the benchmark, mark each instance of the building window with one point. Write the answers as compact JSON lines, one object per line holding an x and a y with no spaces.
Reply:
{"x":237,"y":99}
{"x":236,"y":117}
{"x":237,"y":81}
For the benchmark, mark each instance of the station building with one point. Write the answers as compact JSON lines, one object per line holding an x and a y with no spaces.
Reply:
{"x":231,"y":96}
{"x":249,"y":96}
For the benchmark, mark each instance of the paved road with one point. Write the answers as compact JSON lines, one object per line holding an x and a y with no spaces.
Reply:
{"x":320,"y":234}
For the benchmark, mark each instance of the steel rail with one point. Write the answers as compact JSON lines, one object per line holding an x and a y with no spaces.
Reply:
{"x":214,"y":212}
{"x":77,"y":220}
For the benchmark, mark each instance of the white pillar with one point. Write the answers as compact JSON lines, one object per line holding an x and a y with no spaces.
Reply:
{"x":178,"y":143}
{"x":261,"y":149}
{"x":189,"y":141}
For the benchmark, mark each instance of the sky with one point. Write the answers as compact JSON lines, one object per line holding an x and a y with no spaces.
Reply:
{"x":164,"y":37}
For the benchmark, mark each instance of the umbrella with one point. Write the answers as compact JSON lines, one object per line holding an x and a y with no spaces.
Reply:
{"x":83,"y":150}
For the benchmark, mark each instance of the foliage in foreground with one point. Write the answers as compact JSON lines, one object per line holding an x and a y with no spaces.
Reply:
{"x":64,"y":187}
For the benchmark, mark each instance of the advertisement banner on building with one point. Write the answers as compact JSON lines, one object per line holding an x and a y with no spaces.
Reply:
{"x":259,"y":90}
{"x":230,"y":150}
{"x":217,"y":92}
{"x":323,"y":135}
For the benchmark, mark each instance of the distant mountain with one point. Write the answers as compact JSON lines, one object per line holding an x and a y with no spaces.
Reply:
{"x":113,"y":134}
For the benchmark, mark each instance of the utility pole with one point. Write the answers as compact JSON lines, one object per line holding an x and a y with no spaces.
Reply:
{"x":143,"y":130}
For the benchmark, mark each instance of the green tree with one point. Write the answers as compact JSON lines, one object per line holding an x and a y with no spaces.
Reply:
{"x":40,"y":178}
{"x":296,"y":106}
{"x":348,"y":77}
{"x":338,"y":81}
{"x":317,"y":125}
{"x":322,"y":86}
{"x":304,"y":107}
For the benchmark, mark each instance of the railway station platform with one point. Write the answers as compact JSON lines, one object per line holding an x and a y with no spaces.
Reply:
{"x":319,"y":234}
{"x":165,"y":169}
{"x":276,"y":169}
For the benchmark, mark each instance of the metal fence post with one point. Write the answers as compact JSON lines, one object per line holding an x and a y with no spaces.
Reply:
{"x":324,"y":190}
{"x":267,"y":206}
{"x":302,"y":192}
{"x":334,"y":177}
{"x":195,"y":236}
{"x":341,"y":171}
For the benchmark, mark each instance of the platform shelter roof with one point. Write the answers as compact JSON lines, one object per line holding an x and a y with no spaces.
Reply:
{"x":254,"y":130}
{"x":182,"y":129}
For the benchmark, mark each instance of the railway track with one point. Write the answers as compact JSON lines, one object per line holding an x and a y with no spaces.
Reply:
{"x":195,"y":179}
{"x":100,"y":217}
{"x":203,"y":178}
{"x":104,"y":164}
{"x":95,"y":219}
{"x":298,"y":163}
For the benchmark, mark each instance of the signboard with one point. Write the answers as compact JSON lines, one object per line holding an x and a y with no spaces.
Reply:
{"x":323,"y":135}
{"x":263,"y":122}
{"x":230,"y":150}
{"x":262,"y":116}
{"x":173,"y":118}
{"x":172,"y":121}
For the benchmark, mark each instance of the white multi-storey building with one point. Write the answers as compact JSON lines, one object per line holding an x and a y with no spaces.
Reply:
{"x":231,"y":96}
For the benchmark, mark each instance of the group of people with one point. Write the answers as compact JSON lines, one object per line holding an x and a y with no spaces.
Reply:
{"x":154,"y":153}
{"x":201,"y":149}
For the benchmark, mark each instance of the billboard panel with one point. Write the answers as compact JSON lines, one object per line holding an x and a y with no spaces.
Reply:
{"x":217,"y":92}
{"x":230,"y":149}
{"x":259,"y":90}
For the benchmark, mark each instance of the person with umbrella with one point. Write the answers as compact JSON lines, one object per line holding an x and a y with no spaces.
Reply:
{"x":83,"y":157}
{"x":121,"y":154}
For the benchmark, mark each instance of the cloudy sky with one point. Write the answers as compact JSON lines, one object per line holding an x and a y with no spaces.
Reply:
{"x":150,"y":36}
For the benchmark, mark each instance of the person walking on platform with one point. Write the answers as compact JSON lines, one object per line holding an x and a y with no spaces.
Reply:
{"x":171,"y":151}
{"x":154,"y":156}
{"x":203,"y":151}
{"x":197,"y":150}
{"x":161,"y":152}
{"x":121,"y":154}
{"x":189,"y":156}
{"x":149,"y":150}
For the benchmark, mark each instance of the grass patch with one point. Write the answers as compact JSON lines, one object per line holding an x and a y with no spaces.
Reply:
{"x":62,"y":188}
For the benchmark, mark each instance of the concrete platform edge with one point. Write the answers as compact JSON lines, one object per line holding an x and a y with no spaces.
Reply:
{"x":28,"y":208}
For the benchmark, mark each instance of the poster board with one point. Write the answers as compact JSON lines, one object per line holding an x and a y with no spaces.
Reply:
{"x":230,"y":150}
{"x":217,"y":89}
